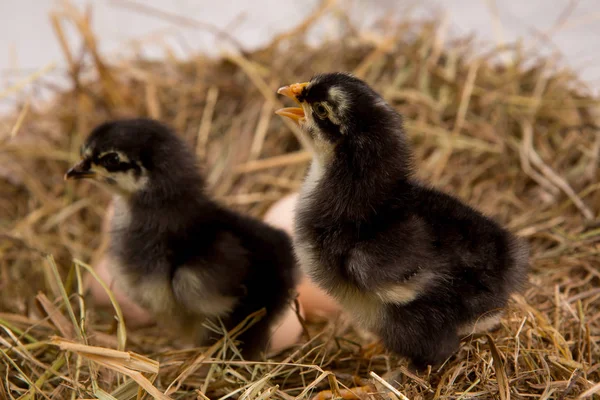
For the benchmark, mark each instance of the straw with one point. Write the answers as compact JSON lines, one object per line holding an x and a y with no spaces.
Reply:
{"x":516,"y":137}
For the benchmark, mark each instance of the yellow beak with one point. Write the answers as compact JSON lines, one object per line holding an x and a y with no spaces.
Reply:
{"x":296,"y":114}
{"x":293,"y":113}
{"x":293,"y":91}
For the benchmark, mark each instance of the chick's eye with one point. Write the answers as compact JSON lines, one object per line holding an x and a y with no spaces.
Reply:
{"x":110,"y":160}
{"x":320,"y":110}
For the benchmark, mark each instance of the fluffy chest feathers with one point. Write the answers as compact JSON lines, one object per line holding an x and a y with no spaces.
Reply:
{"x":366,"y":262}
{"x":132,"y":257}
{"x":321,"y":251}
{"x":136,"y":243}
{"x":304,"y":246}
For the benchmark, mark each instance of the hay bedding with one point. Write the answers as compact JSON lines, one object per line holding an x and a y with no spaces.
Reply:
{"x":519,"y":141}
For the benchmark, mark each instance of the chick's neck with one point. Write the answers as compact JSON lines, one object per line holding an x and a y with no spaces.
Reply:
{"x":365,"y":174}
{"x":178,"y":197}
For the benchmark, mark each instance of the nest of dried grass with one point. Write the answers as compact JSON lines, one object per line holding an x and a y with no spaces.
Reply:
{"x":519,"y":140}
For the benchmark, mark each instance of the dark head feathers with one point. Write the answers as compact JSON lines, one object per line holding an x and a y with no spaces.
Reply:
{"x":147,"y":141}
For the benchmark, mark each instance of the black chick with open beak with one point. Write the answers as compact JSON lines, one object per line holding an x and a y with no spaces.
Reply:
{"x":414,"y":265}
{"x":178,"y":253}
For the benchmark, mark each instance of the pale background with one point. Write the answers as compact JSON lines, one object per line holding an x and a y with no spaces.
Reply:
{"x":27,"y":41}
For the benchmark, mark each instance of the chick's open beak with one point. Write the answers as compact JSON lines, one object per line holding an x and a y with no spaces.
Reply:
{"x":292,"y":91}
{"x":294,"y":113}
{"x":80,"y":170}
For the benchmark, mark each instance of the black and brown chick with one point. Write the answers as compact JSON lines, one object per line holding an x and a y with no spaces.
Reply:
{"x":176,"y":252}
{"x":414,"y":265}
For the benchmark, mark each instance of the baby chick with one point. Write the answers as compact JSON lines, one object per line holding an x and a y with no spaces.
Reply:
{"x":178,"y":253}
{"x":412,"y":264}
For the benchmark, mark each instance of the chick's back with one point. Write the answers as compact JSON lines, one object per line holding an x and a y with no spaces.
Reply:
{"x":485,"y":262}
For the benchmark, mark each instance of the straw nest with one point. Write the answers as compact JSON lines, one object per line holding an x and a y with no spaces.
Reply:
{"x":518,"y":140}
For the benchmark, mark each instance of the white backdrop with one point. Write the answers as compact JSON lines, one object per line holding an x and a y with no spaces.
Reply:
{"x":27,"y":41}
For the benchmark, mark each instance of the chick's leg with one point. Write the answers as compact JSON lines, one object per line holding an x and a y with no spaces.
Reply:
{"x":426,"y":337}
{"x":254,"y":341}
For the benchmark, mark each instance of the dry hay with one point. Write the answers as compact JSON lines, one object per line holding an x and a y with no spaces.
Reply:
{"x":519,"y":141}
